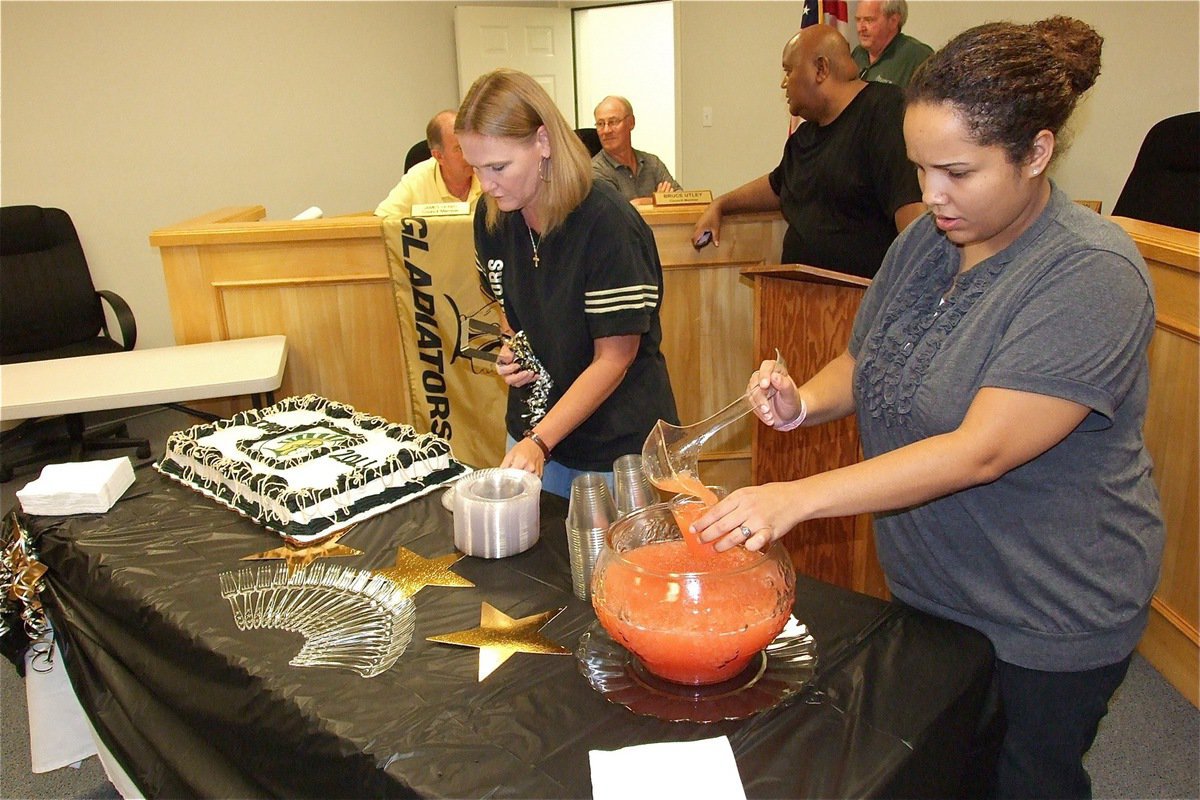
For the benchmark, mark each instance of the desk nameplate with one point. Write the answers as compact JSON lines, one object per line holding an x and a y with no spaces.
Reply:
{"x":698,"y":197}
{"x":441,"y":209}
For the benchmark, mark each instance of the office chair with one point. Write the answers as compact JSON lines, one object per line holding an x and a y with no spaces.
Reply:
{"x":1164,"y":184}
{"x":416,"y":154}
{"x":590,"y":139}
{"x":49,"y":309}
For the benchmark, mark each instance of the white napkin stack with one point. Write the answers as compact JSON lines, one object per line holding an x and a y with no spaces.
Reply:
{"x":703,"y":769}
{"x":78,"y":487}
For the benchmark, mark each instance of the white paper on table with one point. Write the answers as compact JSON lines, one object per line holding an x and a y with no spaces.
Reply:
{"x":59,"y":733}
{"x":77,"y":487}
{"x":700,"y":769}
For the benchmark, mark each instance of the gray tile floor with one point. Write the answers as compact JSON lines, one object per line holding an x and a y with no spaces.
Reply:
{"x":1148,"y":745}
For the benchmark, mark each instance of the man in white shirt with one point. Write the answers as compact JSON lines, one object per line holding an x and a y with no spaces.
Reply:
{"x":444,"y":178}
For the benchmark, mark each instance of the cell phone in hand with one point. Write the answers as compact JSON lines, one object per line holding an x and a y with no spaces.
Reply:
{"x":704,"y":240}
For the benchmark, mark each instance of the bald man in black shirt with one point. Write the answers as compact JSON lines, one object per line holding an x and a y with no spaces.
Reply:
{"x":845,"y":184}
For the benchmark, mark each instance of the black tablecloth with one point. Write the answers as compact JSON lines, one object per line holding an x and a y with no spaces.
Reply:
{"x":192,"y":706}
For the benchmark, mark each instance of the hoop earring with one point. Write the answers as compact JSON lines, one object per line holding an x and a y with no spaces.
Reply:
{"x":544,"y":170}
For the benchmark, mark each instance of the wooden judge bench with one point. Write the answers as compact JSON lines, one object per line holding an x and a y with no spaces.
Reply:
{"x":325,"y":284}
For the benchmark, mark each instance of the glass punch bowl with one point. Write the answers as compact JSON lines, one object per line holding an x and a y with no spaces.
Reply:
{"x":688,"y":620}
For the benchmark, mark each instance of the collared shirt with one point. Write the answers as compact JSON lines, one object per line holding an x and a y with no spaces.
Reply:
{"x":422,"y":184}
{"x":651,"y":172}
{"x":896,"y":64}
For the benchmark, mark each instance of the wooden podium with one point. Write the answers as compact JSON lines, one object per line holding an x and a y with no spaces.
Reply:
{"x":808,"y":313}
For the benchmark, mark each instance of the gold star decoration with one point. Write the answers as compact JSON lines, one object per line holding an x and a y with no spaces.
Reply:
{"x":499,"y":636}
{"x":412,"y":572}
{"x":297,"y":557}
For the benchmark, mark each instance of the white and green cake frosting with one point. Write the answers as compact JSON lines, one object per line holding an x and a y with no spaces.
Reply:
{"x":307,"y":467}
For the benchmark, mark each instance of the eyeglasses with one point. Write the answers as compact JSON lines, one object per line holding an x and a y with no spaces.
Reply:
{"x":601,"y":124}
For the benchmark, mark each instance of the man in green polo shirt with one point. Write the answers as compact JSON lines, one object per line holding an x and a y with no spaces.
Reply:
{"x":884,"y":53}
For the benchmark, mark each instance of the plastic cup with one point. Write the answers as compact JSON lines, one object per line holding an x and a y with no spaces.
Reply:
{"x":590,"y":511}
{"x":633,"y":486}
{"x":590,"y":504}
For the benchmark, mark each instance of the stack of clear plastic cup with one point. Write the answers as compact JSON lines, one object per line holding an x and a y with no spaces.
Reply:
{"x":633,"y":486}
{"x":496,"y":512}
{"x":590,"y":511}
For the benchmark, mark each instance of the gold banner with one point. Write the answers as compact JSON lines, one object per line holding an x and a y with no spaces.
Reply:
{"x":448,"y":332}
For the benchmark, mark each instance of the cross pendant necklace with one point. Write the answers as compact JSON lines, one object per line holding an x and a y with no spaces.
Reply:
{"x":537,"y":261}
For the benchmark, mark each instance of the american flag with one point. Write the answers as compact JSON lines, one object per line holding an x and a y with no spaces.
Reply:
{"x":837,"y":14}
{"x":811,"y":13}
{"x":832,"y":12}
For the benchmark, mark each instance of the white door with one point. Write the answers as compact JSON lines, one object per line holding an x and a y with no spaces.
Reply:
{"x":536,"y":41}
{"x":629,"y":50}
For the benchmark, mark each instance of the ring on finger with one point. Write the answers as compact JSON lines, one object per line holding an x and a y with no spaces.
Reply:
{"x":746,"y":532}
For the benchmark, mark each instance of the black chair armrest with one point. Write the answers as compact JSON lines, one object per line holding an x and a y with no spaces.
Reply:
{"x":124,"y":318}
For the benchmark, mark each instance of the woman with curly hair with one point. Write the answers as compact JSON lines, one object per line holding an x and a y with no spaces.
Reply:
{"x":998,"y":370}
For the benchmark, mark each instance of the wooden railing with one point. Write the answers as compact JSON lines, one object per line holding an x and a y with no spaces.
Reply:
{"x":1172,"y":643}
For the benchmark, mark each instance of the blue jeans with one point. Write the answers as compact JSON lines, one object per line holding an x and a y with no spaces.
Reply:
{"x":556,"y":479}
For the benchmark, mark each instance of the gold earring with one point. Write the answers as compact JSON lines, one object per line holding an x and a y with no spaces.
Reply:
{"x":544,"y":169}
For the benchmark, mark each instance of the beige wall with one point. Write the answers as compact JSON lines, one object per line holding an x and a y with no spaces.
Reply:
{"x":137,"y":115}
{"x":132,"y":116}
{"x":1151,"y":70}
